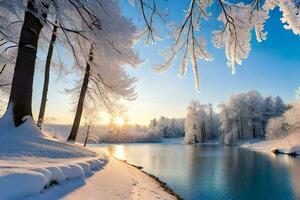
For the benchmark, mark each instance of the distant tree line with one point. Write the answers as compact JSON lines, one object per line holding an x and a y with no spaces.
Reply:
{"x":243,"y":116}
{"x":168,"y":127}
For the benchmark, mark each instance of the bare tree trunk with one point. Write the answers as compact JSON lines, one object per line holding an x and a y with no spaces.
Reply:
{"x":238,"y":129}
{"x":195,"y":138}
{"x":47,"y":77}
{"x":21,"y":91}
{"x":87,"y":135}
{"x":83,"y":90}
{"x":204,"y":131}
{"x":254,"y":132}
{"x":242,"y":128}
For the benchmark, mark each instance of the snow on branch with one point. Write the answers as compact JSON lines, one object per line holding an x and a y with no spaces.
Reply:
{"x":290,"y":13}
{"x":149,"y":11}
{"x":113,"y":48}
{"x":239,"y":20}
{"x":187,"y":43}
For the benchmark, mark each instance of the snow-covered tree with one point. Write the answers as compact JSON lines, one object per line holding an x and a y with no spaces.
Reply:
{"x":191,"y":124}
{"x":255,"y":104}
{"x":153,"y":123}
{"x":200,"y":123}
{"x":82,"y":23}
{"x":286,"y":125}
{"x":9,"y":54}
{"x":280,"y":107}
{"x":214,"y":122}
{"x":292,"y":117}
{"x":105,"y":80}
{"x":269,"y":111}
{"x":285,"y":129}
{"x":246,"y":116}
{"x":233,"y":118}
{"x":277,"y":128}
{"x":37,"y":14}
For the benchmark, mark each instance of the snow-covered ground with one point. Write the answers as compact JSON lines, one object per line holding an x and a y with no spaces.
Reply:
{"x":117,"y":181}
{"x":286,"y":145}
{"x":35,"y":166}
{"x":30,"y":162}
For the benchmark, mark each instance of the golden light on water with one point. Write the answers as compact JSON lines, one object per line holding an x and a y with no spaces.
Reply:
{"x":119,"y":152}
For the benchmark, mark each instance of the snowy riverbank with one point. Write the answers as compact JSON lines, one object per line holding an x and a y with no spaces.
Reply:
{"x":117,"y":181}
{"x":34,"y":166}
{"x":285,"y":146}
{"x":41,"y":177}
{"x":31,"y":163}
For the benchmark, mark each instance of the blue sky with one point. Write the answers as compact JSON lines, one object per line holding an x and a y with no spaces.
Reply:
{"x":272,"y":68}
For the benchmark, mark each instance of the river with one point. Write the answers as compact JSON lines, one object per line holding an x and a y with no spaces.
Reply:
{"x":215,"y":172}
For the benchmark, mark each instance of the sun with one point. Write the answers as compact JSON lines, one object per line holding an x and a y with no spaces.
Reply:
{"x":119,"y":121}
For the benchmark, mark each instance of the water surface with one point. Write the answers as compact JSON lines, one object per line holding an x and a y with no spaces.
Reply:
{"x":216,"y":172}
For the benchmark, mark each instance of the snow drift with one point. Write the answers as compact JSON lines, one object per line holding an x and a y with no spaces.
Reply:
{"x":17,"y":183}
{"x":30,"y":162}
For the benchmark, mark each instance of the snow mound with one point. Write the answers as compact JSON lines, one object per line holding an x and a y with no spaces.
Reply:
{"x":56,"y":175}
{"x":30,"y":162}
{"x":32,"y":182}
{"x":19,"y":184}
{"x":73,"y":171}
{"x":86,"y":168}
{"x":28,"y":140}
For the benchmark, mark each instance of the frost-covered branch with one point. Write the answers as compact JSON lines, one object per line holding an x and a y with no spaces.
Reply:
{"x":149,"y":12}
{"x":187,"y":44}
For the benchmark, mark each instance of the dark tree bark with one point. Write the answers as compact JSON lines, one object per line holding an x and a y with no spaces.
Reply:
{"x":195,"y":138}
{"x":203,"y":132}
{"x":239,"y":134}
{"x":21,"y":90}
{"x":47,"y":77}
{"x":254,"y":132}
{"x":76,"y":123}
{"x":242,"y":128}
{"x":87,"y":135}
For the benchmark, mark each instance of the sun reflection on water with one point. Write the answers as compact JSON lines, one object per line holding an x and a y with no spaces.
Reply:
{"x":119,"y":152}
{"x":218,"y":170}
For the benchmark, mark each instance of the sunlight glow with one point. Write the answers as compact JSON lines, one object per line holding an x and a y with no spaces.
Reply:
{"x":119,"y":121}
